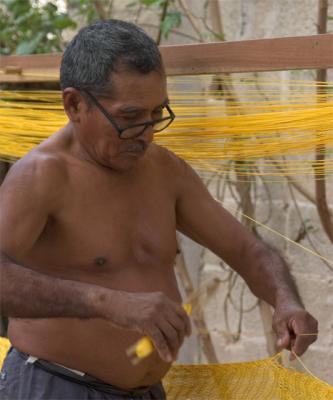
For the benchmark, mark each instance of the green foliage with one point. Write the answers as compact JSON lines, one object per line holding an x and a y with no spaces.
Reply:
{"x":149,"y":3}
{"x":172,"y":20}
{"x":86,"y":9}
{"x":28,"y":27}
{"x":33,"y":26}
{"x":155,"y":3}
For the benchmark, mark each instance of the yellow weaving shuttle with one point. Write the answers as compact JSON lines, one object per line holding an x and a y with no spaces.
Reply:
{"x":144,"y":346}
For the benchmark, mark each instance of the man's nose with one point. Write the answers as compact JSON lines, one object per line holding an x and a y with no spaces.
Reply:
{"x":148,"y":134}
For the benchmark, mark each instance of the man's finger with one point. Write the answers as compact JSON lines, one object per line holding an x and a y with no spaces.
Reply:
{"x":188,"y":328}
{"x":161,"y":345}
{"x":303,"y":339}
{"x":179,"y":309}
{"x":171,"y":336}
{"x":179,"y":325}
{"x":283,"y":334}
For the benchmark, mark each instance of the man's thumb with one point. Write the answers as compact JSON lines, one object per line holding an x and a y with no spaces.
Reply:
{"x":283,"y":340}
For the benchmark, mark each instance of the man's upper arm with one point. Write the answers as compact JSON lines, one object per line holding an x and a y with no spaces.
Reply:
{"x":204,"y":220}
{"x":27,"y":197}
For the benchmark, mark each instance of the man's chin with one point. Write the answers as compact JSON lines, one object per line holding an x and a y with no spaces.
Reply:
{"x":126,"y":163}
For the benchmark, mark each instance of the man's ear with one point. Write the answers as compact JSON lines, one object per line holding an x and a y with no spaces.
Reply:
{"x":74,"y":104}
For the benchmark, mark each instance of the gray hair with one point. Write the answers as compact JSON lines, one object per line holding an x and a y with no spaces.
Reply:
{"x":105,"y":47}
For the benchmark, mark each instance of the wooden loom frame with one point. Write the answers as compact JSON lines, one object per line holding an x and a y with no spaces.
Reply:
{"x":277,"y":54}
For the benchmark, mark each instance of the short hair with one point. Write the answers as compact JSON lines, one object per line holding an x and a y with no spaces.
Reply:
{"x":105,"y":47}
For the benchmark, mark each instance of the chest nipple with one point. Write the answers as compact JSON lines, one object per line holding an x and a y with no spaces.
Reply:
{"x":100,"y":261}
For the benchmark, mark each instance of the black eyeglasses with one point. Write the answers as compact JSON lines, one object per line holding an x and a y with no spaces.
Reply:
{"x":132,"y":131}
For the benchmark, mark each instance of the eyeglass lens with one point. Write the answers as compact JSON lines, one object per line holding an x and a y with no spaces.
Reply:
{"x":137,"y":130}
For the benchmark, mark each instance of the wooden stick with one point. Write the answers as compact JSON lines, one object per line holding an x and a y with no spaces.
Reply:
{"x":302,"y":52}
{"x":198,"y":320}
{"x":320,"y":181}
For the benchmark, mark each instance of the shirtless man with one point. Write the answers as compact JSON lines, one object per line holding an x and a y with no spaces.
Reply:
{"x":88,"y":235}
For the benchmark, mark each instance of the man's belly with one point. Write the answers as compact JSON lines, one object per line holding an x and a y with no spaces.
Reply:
{"x":94,"y":346}
{"x":91,"y":346}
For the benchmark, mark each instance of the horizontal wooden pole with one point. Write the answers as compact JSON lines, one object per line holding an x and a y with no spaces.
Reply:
{"x":278,"y":54}
{"x":30,"y":68}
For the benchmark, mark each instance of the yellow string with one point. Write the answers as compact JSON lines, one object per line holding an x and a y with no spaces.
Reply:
{"x":208,"y":133}
{"x":330,"y":262}
{"x":304,"y":366}
{"x":307,"y":334}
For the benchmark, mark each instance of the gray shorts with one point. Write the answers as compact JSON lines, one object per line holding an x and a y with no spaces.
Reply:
{"x":40,"y":380}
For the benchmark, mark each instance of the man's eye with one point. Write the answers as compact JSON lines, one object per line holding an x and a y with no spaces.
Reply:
{"x":130,"y":118}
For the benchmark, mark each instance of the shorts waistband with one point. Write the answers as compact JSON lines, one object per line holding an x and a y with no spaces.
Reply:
{"x":80,"y":377}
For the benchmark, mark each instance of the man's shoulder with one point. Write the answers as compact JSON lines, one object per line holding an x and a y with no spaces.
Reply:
{"x":176,"y":170}
{"x":40,"y":168}
{"x":168,"y":159}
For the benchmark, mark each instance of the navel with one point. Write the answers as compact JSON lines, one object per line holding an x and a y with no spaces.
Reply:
{"x":100,"y":261}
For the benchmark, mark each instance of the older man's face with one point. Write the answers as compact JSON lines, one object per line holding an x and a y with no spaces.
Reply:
{"x":135,"y":98}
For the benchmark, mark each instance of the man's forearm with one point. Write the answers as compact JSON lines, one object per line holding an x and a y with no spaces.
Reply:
{"x":28,"y":294}
{"x":269,"y":278}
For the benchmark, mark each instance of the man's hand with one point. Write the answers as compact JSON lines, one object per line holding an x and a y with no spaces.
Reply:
{"x":295,"y":327}
{"x":152,"y":314}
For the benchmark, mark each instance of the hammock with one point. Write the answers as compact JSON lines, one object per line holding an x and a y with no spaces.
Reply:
{"x":257,"y":380}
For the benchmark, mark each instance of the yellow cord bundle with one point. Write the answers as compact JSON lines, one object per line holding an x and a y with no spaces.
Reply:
{"x":247,"y":127}
{"x":256,"y":380}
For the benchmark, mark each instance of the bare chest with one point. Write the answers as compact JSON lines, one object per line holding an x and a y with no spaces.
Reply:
{"x":111,"y":227}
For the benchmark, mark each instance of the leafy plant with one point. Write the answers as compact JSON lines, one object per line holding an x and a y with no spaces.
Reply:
{"x":169,"y":17}
{"x":90,"y":10}
{"x":173,"y":19}
{"x":28,"y":27}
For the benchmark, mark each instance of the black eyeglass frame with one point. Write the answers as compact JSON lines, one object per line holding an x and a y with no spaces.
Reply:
{"x":145,"y":125}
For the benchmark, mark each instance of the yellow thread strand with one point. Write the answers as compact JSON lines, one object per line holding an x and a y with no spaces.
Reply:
{"x":303,"y":365}
{"x":307,"y":334}
{"x":278,"y":233}
{"x":210,"y":130}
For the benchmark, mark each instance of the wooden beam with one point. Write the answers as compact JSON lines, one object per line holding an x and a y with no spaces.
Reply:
{"x":278,"y":54}
{"x":30,"y":68}
{"x":281,"y":54}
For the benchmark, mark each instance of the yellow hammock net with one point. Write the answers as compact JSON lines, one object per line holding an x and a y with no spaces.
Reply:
{"x":257,"y":380}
